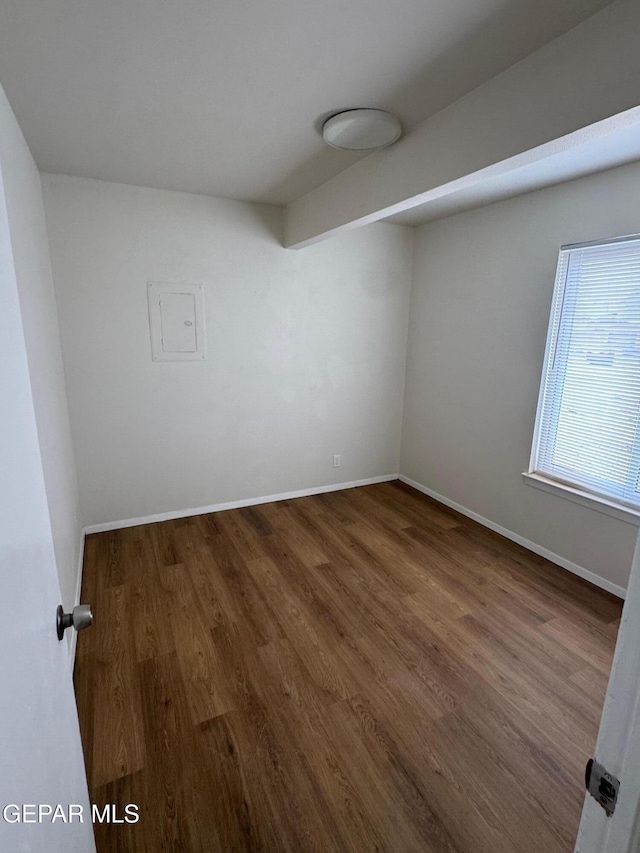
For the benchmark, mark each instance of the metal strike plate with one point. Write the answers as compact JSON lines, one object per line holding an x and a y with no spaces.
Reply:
{"x":602,"y":786}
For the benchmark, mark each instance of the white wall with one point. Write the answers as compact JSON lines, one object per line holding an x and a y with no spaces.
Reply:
{"x":306,"y":350}
{"x":483,"y":283}
{"x":37,"y":304}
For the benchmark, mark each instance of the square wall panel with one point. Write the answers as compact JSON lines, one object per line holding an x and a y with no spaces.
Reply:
{"x":176,"y":320}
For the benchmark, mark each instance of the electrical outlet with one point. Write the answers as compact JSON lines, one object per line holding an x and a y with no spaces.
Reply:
{"x":336,"y":460}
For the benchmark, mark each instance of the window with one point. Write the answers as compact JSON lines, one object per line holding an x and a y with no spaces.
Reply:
{"x":587,"y":426}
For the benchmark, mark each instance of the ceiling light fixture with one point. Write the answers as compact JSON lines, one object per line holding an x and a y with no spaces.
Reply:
{"x":361,"y":130}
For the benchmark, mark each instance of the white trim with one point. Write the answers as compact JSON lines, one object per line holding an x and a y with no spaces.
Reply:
{"x":571,"y":493}
{"x":76,"y":601}
{"x":587,"y":575}
{"x":535,"y":444}
{"x":266,"y":499}
{"x":586,"y":245}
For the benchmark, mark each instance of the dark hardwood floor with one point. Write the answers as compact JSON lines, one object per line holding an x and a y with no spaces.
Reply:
{"x":359,"y":671}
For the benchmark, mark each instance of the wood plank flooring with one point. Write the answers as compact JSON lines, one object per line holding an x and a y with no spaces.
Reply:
{"x":358,"y":671}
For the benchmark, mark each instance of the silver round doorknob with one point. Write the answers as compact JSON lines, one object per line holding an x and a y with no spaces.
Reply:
{"x":80,"y":617}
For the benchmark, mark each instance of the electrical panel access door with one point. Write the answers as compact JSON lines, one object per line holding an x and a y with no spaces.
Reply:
{"x":176,"y":317}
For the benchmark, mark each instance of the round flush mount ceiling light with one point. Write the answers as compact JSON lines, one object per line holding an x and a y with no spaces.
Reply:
{"x":361,"y":130}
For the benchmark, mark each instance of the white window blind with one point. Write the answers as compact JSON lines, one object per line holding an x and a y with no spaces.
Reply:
{"x":587,"y":427}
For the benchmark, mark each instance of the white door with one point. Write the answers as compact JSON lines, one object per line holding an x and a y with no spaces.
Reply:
{"x":618,"y":746}
{"x":41,"y":761}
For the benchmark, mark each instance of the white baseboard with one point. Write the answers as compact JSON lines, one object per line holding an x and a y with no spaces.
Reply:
{"x":266,"y":499}
{"x":587,"y":575}
{"x":76,"y":601}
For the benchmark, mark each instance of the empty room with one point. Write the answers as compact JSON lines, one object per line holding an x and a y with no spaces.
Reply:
{"x":320,"y":435}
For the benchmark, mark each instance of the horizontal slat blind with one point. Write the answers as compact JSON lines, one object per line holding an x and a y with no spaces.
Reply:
{"x":589,"y":408}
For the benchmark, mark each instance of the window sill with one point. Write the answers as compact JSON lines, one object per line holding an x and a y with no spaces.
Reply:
{"x":561,"y":490}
